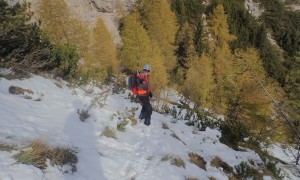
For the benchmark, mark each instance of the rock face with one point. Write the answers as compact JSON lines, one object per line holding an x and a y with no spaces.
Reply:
{"x":90,"y":10}
{"x":254,"y":8}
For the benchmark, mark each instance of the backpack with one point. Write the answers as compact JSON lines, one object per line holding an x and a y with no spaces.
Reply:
{"x":132,"y":83}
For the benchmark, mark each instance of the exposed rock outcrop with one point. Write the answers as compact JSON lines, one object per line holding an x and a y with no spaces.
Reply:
{"x":90,"y":10}
{"x":254,"y":8}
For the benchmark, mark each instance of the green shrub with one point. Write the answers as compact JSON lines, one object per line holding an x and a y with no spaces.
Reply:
{"x":233,"y":132}
{"x":271,"y":166}
{"x":244,"y":171}
{"x":65,"y":59}
{"x":23,"y":45}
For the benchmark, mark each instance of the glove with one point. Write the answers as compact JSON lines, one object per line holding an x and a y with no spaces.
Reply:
{"x":150,"y":94}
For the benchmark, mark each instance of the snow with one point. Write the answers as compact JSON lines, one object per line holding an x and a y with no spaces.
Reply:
{"x":134,"y":154}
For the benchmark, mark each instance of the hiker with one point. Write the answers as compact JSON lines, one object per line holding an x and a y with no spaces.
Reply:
{"x":144,"y":94}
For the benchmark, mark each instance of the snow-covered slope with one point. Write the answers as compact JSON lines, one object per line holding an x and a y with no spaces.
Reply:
{"x":141,"y":152}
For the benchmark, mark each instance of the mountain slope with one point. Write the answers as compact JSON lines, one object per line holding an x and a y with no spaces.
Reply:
{"x":140,"y":152}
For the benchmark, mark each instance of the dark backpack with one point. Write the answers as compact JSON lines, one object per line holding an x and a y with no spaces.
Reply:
{"x":132,"y":83}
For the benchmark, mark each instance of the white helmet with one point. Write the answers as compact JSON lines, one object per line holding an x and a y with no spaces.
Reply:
{"x":147,"y":67}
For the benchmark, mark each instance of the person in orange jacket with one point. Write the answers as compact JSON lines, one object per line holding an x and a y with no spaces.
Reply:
{"x":144,"y":94}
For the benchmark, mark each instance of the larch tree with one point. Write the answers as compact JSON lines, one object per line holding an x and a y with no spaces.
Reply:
{"x":221,"y":54}
{"x":199,"y":81}
{"x":101,"y":56}
{"x":249,"y":101}
{"x":138,"y":50}
{"x":62,"y":26}
{"x":159,"y":76}
{"x":162,"y":26}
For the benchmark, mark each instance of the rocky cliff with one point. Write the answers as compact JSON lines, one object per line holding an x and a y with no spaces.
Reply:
{"x":90,"y":10}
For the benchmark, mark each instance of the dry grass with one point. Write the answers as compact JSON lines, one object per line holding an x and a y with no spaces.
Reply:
{"x":36,"y":155}
{"x":212,"y":178}
{"x":165,"y":158}
{"x":197,"y":160}
{"x":217,"y":162}
{"x":165,"y":126}
{"x":191,"y":178}
{"x":38,"y":152}
{"x":129,"y":115}
{"x":176,"y":137}
{"x":133,"y":120}
{"x":6,"y":147}
{"x":62,"y":156}
{"x":176,"y":161}
{"x":122,"y":125}
{"x":109,"y":132}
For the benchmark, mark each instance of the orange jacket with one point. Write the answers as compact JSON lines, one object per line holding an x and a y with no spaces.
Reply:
{"x":143,"y":86}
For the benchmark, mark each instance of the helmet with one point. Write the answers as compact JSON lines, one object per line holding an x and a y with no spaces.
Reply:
{"x":147,"y":67}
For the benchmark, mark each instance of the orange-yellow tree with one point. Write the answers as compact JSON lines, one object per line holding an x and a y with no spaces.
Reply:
{"x":221,"y":55}
{"x":138,"y":50}
{"x":162,"y":27}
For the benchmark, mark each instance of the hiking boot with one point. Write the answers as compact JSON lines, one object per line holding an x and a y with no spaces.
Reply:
{"x":142,"y":116}
{"x":147,"y":122}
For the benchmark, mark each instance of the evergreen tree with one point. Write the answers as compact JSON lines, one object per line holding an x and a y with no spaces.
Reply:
{"x":101,"y":57}
{"x":292,"y":103}
{"x":185,"y":52}
{"x":161,"y":24}
{"x":191,"y":12}
{"x":188,"y":11}
{"x":24,"y":46}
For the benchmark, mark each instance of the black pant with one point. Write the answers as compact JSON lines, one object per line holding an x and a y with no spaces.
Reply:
{"x":146,"y":111}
